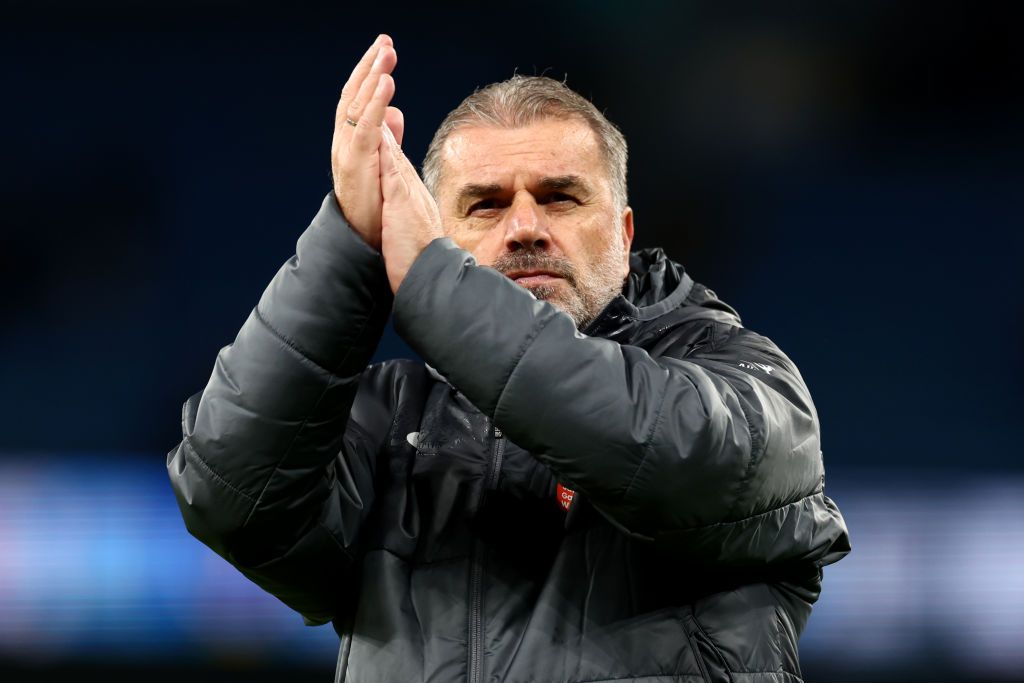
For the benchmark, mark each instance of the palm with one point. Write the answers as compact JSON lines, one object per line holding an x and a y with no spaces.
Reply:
{"x":355,"y":162}
{"x":409,"y":217}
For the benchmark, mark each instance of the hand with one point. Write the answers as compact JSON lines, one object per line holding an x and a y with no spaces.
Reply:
{"x":410,"y":217}
{"x":355,"y":165}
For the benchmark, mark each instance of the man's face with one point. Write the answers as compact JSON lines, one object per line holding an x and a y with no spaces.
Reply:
{"x":536,"y":204}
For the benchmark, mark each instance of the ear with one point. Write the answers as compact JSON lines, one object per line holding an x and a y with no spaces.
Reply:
{"x":627,"y":237}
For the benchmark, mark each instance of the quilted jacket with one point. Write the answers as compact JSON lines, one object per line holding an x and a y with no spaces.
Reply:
{"x":642,"y":500}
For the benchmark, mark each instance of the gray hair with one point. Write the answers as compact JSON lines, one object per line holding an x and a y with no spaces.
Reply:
{"x":521,"y":101}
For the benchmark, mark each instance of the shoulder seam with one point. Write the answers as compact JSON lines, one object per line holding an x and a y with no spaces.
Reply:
{"x":757,"y":448}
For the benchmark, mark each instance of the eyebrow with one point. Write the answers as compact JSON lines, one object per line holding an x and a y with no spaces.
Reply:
{"x":475,"y":191}
{"x":549,"y":183}
{"x":563,"y":182}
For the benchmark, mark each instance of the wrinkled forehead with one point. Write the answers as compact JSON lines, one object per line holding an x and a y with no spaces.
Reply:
{"x":484,"y":154}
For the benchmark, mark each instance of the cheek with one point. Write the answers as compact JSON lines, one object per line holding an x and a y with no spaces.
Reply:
{"x":476,"y":242}
{"x":596,"y":243}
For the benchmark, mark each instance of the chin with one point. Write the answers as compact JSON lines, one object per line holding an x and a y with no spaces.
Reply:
{"x":545,"y":292}
{"x":569,"y":305}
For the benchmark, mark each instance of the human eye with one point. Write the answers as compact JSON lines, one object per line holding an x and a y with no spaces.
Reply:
{"x":483,"y":207}
{"x":560,"y":199}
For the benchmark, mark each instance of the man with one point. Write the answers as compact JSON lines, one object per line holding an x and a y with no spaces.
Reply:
{"x":598,"y":474}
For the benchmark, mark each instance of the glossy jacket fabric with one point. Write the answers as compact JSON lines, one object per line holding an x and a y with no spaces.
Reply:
{"x":414,"y":505}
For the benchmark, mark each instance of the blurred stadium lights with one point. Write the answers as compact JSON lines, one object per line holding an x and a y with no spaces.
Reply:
{"x":95,"y":564}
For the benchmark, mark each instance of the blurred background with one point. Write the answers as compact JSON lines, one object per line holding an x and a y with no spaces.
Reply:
{"x":846,"y":174}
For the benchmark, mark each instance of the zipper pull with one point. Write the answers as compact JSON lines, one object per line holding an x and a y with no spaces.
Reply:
{"x":497,"y":433}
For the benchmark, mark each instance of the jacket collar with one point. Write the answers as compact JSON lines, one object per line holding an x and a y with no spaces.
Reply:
{"x":655,"y":285}
{"x":657,"y":288}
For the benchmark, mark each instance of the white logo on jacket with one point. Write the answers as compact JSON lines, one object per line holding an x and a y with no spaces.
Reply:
{"x":756,"y":366}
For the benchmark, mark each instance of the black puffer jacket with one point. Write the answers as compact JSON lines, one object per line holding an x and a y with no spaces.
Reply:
{"x":415,"y":506}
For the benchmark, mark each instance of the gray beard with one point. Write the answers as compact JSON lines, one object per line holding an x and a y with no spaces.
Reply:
{"x":587,"y":294}
{"x":582,"y":307}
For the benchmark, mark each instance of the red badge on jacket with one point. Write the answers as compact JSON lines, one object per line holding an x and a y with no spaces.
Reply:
{"x":564,"y":496}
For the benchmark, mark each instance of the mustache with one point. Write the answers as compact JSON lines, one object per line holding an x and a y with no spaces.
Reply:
{"x":535,"y":260}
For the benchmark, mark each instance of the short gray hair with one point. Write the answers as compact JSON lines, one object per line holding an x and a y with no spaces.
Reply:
{"x":521,"y":101}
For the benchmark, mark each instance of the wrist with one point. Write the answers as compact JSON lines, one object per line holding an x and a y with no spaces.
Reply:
{"x":412,"y":271}
{"x":370,"y":239}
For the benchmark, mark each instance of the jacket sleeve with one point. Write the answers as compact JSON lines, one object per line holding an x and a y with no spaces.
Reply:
{"x":271,"y":472}
{"x":714,"y":455}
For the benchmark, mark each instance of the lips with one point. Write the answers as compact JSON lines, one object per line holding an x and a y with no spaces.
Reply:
{"x":532,"y":277}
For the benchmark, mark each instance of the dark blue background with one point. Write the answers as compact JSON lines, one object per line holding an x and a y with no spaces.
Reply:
{"x":847,"y":175}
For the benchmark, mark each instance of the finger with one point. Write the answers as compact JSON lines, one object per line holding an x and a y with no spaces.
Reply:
{"x":402,"y":164}
{"x":366,"y":137}
{"x":383,"y":64}
{"x":395,"y":120}
{"x":359,"y":73}
{"x":390,"y":171}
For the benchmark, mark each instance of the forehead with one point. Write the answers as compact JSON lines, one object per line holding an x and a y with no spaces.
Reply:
{"x":549,"y":147}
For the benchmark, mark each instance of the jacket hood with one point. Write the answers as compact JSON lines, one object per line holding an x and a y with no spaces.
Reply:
{"x":657,"y":289}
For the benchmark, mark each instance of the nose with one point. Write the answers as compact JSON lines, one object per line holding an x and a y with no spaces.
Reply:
{"x":526,"y":225}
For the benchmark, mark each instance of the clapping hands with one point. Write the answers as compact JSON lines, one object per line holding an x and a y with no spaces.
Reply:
{"x":376,"y":186}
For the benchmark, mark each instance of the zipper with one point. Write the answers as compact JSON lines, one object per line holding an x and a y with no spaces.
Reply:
{"x":495,"y":468}
{"x":476,"y":571}
{"x":476,"y":615}
{"x":341,"y":669}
